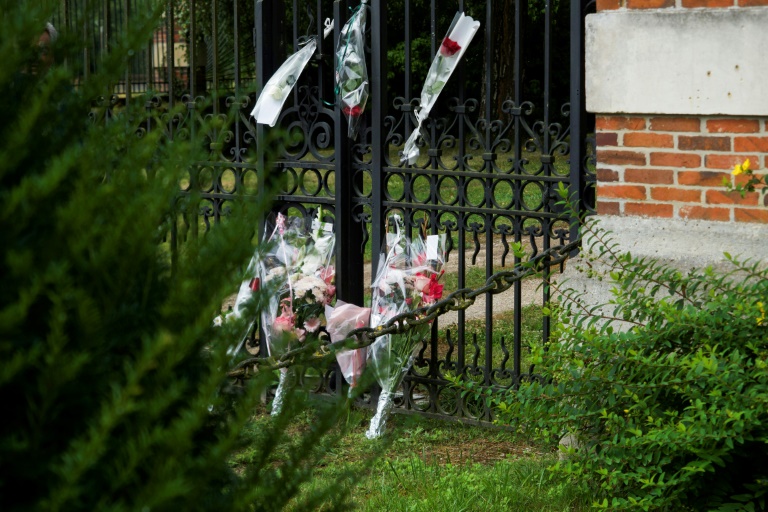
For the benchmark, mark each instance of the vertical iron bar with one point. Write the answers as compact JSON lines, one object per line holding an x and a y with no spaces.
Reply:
{"x":407,"y":52}
{"x":461,"y":222}
{"x":104,"y":33}
{"x":150,"y":58}
{"x":348,"y":259}
{"x":488,"y":192}
{"x":192,"y":52}
{"x":169,"y":56}
{"x":547,"y":167}
{"x":86,"y":48}
{"x":107,"y":29}
{"x":261,"y":172}
{"x":129,"y":68}
{"x":236,"y":43}
{"x":236,"y":104}
{"x":433,"y":46}
{"x":378,"y":113}
{"x":319,"y":51}
{"x":518,"y":227}
{"x":408,"y":94}
{"x":215,"y":49}
{"x":295,"y":25}
{"x":577,"y":128}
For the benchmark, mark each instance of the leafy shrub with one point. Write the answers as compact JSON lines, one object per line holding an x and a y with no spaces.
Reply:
{"x":665,"y":387}
{"x":112,"y":380}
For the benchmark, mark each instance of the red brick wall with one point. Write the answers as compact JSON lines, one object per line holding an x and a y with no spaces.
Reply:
{"x":673,"y":167}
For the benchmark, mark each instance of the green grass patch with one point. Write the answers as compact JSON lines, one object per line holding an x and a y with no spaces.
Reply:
{"x":429,"y":465}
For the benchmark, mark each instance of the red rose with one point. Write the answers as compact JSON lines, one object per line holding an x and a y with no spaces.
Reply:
{"x":355,"y":111}
{"x":433,"y":291}
{"x":255,"y":282}
{"x":449,"y":48}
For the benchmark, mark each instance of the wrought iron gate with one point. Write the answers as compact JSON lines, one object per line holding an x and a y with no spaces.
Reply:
{"x":487,"y":176}
{"x":489,"y":167}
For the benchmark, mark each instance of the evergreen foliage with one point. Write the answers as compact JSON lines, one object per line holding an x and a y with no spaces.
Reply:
{"x":665,"y":388}
{"x":111,"y":376}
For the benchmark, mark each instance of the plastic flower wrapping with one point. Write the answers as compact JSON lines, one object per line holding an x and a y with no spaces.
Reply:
{"x":296,"y":273}
{"x":341,"y":320}
{"x":277,"y":89}
{"x":407,"y":279}
{"x":460,"y":34}
{"x":352,"y":86}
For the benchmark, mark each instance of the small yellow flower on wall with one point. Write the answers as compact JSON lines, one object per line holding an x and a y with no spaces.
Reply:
{"x":751,"y":184}
{"x":742,"y":168}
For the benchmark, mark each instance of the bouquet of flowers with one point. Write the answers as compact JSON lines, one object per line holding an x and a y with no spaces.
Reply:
{"x":277,"y":89}
{"x":451,"y":51}
{"x":407,"y":279}
{"x":351,"y":72}
{"x":297,"y":274}
{"x":341,"y":320}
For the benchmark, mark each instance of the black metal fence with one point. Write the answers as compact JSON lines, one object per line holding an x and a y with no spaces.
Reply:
{"x":509,"y":128}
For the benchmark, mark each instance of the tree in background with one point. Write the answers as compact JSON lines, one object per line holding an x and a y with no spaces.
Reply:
{"x":111,"y":376}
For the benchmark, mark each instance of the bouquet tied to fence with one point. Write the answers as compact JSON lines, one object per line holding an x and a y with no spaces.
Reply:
{"x":296,"y":275}
{"x":407,"y":279}
{"x":352,"y":86}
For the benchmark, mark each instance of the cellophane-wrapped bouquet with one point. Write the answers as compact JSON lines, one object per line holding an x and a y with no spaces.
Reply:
{"x":407,"y":279}
{"x":460,"y":34}
{"x":351,"y":72}
{"x":297,"y":275}
{"x":342,"y":319}
{"x":276,"y":91}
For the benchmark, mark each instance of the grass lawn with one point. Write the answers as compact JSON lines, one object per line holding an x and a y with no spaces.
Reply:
{"x":429,"y":465}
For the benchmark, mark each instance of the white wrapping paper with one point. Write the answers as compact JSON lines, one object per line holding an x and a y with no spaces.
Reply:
{"x":452,"y":49}
{"x":277,"y":89}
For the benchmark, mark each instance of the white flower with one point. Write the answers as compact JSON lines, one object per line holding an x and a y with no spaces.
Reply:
{"x":275,"y":91}
{"x":309,"y":284}
{"x":311,"y":263}
{"x":312,"y":324}
{"x":276,"y":272}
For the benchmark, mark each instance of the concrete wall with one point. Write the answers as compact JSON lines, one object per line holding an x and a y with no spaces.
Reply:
{"x":678,"y":61}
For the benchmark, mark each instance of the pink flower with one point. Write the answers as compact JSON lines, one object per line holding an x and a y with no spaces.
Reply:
{"x":421,"y":283}
{"x":312,"y":324}
{"x":284,"y":322}
{"x":327,"y":274}
{"x":449,"y":48}
{"x":330,"y":293}
{"x":301,"y":334}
